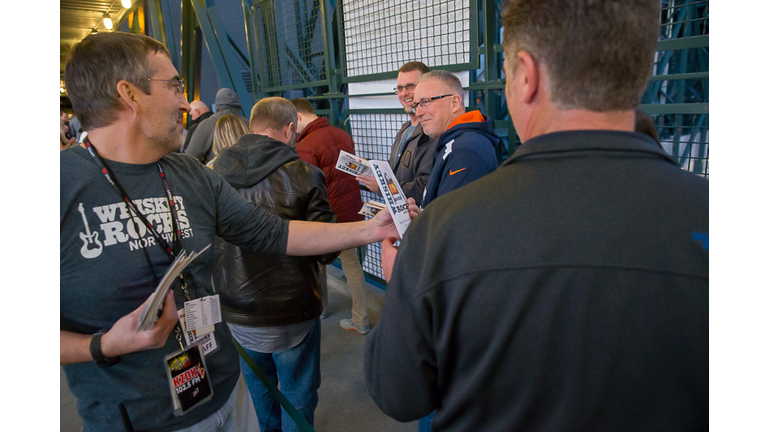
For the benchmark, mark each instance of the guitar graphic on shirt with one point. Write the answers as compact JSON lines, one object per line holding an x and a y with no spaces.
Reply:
{"x":91,"y":244}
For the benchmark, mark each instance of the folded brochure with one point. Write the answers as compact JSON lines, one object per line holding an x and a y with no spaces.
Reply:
{"x":150,"y":314}
{"x":371,"y":208}
{"x":393,"y":194}
{"x":352,"y":164}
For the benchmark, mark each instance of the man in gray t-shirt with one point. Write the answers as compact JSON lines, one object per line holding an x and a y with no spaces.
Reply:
{"x":129,"y":203}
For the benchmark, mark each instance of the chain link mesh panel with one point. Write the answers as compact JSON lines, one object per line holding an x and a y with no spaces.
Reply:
{"x":382,"y":35}
{"x":291,"y":49}
{"x":686,"y":137}
{"x":681,"y":80}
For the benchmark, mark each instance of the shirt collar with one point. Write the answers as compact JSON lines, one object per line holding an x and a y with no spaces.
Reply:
{"x":589,"y":140}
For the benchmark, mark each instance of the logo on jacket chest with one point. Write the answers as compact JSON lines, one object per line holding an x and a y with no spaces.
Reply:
{"x":448,"y":148}
{"x":405,"y":160}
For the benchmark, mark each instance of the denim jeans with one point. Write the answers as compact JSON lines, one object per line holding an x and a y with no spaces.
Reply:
{"x":297,"y":372}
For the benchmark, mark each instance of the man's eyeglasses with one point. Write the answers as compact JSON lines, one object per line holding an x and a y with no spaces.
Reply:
{"x":178,"y":83}
{"x":408,"y":87}
{"x":424,"y":103}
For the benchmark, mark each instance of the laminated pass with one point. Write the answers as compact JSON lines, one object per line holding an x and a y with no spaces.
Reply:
{"x":370,"y":208}
{"x":189,"y":379}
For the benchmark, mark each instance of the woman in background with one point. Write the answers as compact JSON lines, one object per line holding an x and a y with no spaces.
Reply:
{"x":228,"y":130}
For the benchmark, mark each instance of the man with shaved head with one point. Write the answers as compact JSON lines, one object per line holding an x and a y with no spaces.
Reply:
{"x":199,"y":111}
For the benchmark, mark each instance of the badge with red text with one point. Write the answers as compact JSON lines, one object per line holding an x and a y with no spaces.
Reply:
{"x":189,"y":379}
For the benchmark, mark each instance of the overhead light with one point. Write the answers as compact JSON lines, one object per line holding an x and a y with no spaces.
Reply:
{"x":107,"y":22}
{"x":94,"y":31}
{"x":126,"y":4}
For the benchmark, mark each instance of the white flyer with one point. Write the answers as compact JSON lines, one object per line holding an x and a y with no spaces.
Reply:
{"x":393,"y":194}
{"x":149,"y":315}
{"x":352,"y":164}
{"x":370,"y":208}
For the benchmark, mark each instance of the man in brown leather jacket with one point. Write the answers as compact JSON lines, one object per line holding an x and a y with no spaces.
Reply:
{"x":272,"y":303}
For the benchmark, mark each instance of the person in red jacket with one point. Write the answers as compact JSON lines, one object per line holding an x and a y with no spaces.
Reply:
{"x":319,"y":144}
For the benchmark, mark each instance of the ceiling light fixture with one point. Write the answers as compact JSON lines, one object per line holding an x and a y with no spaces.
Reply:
{"x":107,"y":21}
{"x":126,"y":4}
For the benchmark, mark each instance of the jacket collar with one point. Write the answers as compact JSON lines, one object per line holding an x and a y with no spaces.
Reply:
{"x":317,"y":123}
{"x":563,"y":143}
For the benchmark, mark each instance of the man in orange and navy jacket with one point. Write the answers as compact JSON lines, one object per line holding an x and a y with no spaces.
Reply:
{"x":466,"y":147}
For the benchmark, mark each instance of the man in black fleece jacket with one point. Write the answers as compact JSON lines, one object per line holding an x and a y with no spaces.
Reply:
{"x":568,"y":289}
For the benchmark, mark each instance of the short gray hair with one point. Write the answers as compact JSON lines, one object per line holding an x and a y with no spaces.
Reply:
{"x":598,"y":53}
{"x":447,"y":78}
{"x":272,"y":113}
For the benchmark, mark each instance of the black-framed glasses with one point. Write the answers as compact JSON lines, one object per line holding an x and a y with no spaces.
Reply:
{"x":424,"y":103}
{"x":408,"y":87}
{"x":178,"y":83}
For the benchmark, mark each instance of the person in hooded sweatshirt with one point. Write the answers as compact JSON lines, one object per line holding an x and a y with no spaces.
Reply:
{"x":201,"y":144}
{"x":466,"y":146}
{"x":272,"y":302}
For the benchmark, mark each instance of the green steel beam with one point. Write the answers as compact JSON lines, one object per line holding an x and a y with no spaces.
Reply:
{"x":156,"y":20}
{"x":334,"y":83}
{"x":676,"y":108}
{"x":170,"y":36}
{"x":134,"y":25}
{"x":224,"y":61}
{"x":375,"y":111}
{"x":191,"y":50}
{"x":250,"y":38}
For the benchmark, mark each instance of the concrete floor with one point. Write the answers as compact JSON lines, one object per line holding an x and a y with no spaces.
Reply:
{"x":345,"y":405}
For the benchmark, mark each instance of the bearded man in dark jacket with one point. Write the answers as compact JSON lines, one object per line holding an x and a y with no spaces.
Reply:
{"x":272,"y":302}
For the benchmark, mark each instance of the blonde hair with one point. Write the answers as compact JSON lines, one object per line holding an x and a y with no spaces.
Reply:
{"x":229,"y":128}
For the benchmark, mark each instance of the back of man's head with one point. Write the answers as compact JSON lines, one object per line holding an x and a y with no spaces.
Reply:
{"x":272,"y":114}
{"x":198,"y":108}
{"x":306,"y":113}
{"x":414,"y":65}
{"x":598,"y":54}
{"x":97,"y":64}
{"x":303,"y":106}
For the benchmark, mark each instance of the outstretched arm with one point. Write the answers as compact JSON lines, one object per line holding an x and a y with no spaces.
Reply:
{"x":314,"y":238}
{"x":122,"y":338}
